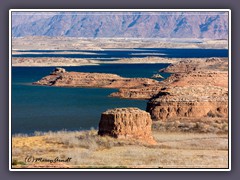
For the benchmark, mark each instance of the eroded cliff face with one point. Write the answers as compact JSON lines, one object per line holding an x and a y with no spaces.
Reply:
{"x":161,"y":110}
{"x":197,"y":90}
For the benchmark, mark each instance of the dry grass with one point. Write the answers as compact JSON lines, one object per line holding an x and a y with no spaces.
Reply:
{"x":203,"y":125}
{"x":88,"y":150}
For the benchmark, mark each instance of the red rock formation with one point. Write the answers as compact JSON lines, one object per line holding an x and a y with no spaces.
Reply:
{"x":190,"y":65}
{"x":138,"y":93}
{"x":127,"y":123}
{"x":193,"y":93}
{"x":163,"y":111}
{"x":103,"y":80}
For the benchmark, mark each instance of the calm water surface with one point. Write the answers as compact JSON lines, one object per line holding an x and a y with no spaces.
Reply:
{"x":40,"y":108}
{"x":113,"y":54}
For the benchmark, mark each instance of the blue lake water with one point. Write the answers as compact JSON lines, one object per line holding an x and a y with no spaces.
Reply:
{"x":113,"y":54}
{"x":40,"y":108}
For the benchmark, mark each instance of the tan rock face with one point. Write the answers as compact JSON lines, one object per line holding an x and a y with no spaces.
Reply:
{"x":199,"y":90}
{"x":187,"y":72}
{"x":127,"y":123}
{"x":206,"y":78}
{"x":190,"y":65}
{"x":138,"y":93}
{"x":169,"y":110}
{"x":188,"y":100}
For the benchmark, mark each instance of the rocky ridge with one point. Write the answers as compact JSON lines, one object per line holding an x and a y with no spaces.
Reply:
{"x":79,"y":79}
{"x":195,"y":90}
{"x":213,"y":25}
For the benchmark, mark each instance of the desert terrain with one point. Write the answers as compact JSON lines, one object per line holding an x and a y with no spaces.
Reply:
{"x":20,"y":45}
{"x":189,"y":111}
{"x":74,"y":43}
{"x":88,"y":150}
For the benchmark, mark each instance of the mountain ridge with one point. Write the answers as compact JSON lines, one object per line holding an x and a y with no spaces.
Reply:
{"x":122,"y":24}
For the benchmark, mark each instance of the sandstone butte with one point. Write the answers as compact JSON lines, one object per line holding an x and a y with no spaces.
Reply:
{"x":127,"y":123}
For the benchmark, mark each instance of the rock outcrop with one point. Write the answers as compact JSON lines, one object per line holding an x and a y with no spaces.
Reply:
{"x":58,"y":71}
{"x":191,"y":65}
{"x":62,"y":78}
{"x":146,"y":92}
{"x":189,"y":102}
{"x":127,"y":123}
{"x":197,"y":89}
{"x":209,"y":72}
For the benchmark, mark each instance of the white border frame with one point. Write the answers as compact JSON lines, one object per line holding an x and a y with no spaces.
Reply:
{"x":118,"y":10}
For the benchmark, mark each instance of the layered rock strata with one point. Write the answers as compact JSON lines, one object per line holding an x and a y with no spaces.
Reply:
{"x":190,"y":65}
{"x":196,"y":89}
{"x":139,"y":92}
{"x":127,"y":123}
{"x":189,"y":101}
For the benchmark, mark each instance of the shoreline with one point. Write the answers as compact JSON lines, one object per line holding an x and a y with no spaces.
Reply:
{"x":69,"y":43}
{"x":19,"y":62}
{"x":48,"y":62}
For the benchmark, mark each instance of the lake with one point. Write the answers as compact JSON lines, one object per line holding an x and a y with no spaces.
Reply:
{"x":114,"y":54}
{"x":41,"y":108}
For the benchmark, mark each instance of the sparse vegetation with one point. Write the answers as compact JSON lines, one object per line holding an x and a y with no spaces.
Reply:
{"x":88,"y":150}
{"x":203,"y":125}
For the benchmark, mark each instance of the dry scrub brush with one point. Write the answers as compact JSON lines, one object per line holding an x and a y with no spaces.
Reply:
{"x":85,"y":139}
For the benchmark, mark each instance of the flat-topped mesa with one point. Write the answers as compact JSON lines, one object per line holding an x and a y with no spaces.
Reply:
{"x":207,"y":78}
{"x":192,"y":93}
{"x":191,"y":65}
{"x":189,"y":102}
{"x":60,"y":77}
{"x":127,"y":123}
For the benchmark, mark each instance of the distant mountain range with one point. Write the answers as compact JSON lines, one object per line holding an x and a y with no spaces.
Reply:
{"x":213,"y":25}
